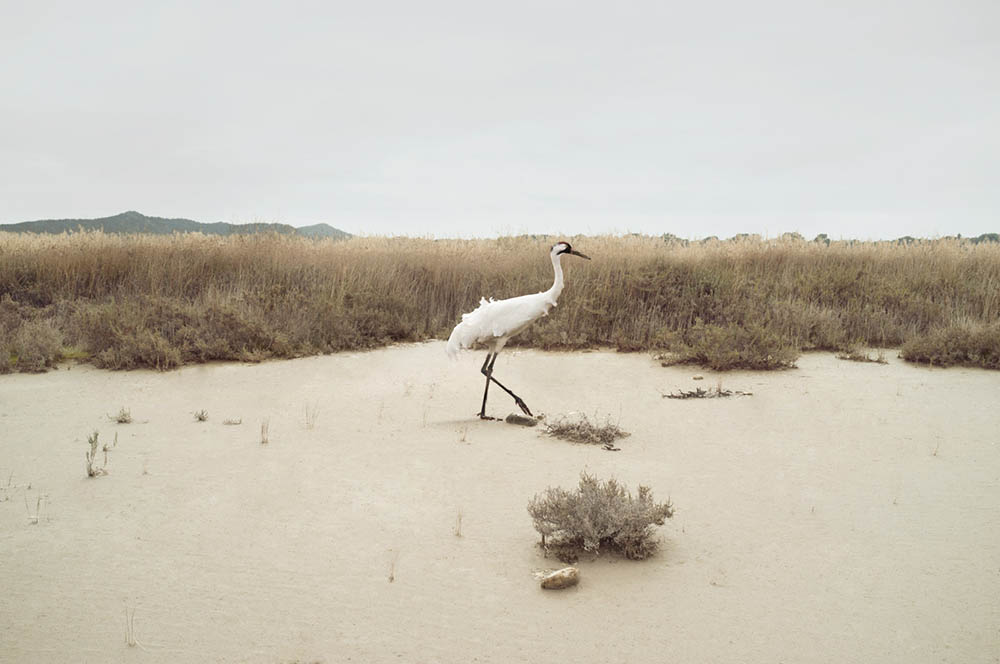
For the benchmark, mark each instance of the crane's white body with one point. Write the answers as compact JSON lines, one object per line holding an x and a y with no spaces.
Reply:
{"x":496,"y":321}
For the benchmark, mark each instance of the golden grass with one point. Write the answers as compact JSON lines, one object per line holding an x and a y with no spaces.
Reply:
{"x":162,"y":301}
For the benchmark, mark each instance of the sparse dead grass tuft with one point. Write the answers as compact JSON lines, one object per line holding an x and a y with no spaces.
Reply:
{"x":39,"y":502}
{"x":130,"y":640}
{"x":579,"y":429}
{"x":93,"y":470}
{"x":312,"y":413}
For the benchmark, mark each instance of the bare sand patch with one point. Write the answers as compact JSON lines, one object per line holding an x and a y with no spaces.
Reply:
{"x":844,"y":512}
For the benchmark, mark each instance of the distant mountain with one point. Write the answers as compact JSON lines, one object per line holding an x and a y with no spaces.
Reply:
{"x":322,"y":230}
{"x":134,"y":222}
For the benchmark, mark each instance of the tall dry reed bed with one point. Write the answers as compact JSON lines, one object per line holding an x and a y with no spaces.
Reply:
{"x":155,"y":301}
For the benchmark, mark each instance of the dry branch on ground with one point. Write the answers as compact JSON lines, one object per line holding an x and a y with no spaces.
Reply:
{"x":579,"y":429}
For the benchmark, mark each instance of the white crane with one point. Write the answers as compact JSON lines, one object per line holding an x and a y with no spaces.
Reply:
{"x":496,"y":321}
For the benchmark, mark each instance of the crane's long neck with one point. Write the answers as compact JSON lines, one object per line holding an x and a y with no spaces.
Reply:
{"x":557,"y":284}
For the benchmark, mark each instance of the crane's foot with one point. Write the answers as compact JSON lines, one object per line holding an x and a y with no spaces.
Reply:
{"x":484,"y":416}
{"x":523,"y":406}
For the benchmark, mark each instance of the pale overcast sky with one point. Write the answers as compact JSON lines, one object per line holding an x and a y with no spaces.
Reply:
{"x":870,"y":119}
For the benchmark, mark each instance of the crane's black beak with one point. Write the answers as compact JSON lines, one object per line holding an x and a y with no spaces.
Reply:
{"x":577,"y":253}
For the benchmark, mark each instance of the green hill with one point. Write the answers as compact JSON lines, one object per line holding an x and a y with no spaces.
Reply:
{"x":135,"y":222}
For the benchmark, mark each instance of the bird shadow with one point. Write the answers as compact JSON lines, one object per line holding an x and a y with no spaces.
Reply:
{"x":466,"y":422}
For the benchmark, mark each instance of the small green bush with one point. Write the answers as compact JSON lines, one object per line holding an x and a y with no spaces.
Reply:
{"x":598,"y":514}
{"x":977,"y":346}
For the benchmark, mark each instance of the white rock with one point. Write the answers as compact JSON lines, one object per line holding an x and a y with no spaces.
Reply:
{"x":514,"y":418}
{"x":562,"y":578}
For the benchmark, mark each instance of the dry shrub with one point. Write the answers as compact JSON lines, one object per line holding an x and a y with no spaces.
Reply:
{"x":700,"y":393}
{"x":28,"y":341}
{"x":34,"y":347}
{"x":580,"y":429}
{"x":142,"y":348}
{"x":598,"y":514}
{"x":961,"y":344}
{"x":734,"y":347}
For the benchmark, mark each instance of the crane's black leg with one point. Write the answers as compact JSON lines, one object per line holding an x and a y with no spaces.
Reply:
{"x":488,"y":372}
{"x":482,"y":411}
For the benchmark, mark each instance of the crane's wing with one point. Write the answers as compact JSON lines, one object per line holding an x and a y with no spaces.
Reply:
{"x":498,"y":319}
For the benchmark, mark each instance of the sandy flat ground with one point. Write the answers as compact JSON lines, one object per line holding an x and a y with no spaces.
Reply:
{"x":844,"y":512}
